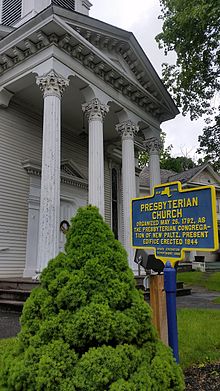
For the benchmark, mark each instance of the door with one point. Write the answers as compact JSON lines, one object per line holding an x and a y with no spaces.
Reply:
{"x":67,"y":211}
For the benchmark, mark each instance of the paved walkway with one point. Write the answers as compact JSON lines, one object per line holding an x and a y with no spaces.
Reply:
{"x":200,"y":298}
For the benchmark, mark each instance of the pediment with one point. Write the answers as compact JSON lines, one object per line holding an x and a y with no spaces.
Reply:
{"x":70,"y":172}
{"x":124,"y":52}
{"x":68,"y":167}
{"x":207,"y":177}
{"x":110,"y":53}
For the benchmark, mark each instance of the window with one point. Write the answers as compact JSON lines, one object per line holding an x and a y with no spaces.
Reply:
{"x":11,"y":11}
{"x":70,"y":4}
{"x":115,"y":202}
{"x":217,"y":205}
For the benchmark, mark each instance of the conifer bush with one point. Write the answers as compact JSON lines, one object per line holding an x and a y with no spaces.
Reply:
{"x":87,"y":328}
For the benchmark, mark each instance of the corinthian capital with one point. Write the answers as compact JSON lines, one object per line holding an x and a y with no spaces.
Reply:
{"x":127,"y":129}
{"x":95,"y":110}
{"x":52,"y":84}
{"x":153,"y":145}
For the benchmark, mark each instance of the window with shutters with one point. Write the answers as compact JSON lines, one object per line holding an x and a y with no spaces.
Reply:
{"x":70,"y":4}
{"x":11,"y":11}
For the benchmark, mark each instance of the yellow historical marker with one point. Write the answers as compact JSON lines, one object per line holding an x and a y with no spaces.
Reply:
{"x":170,"y":222}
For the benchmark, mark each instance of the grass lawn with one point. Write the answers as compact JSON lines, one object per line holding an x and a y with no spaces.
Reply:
{"x":210,"y":281}
{"x":199,"y":336}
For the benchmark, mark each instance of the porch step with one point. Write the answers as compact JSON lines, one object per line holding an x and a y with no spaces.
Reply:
{"x":14,"y":292}
{"x":179,"y":285}
{"x":11,"y":305}
{"x":183,"y":291}
{"x":212,"y":266}
{"x":184,"y":267}
{"x":26,"y":284}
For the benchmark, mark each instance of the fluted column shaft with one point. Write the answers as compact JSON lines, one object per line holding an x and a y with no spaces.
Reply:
{"x":127,"y":129}
{"x":95,"y":111}
{"x":52,"y":85}
{"x":153,"y":146}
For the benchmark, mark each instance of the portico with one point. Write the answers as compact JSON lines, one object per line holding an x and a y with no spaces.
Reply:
{"x":53,"y":86}
{"x":96,"y":101}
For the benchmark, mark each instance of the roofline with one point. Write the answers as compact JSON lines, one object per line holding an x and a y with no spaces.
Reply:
{"x":50,"y":11}
{"x":201,"y":168}
{"x":131,"y":37}
{"x":209,"y":167}
{"x":23,"y":28}
{"x":190,"y":180}
{"x":95,"y":23}
{"x":5,"y":30}
{"x":155,"y":75}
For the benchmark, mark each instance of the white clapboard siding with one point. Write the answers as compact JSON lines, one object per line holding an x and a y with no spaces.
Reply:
{"x":75,"y":148}
{"x":20,"y":139}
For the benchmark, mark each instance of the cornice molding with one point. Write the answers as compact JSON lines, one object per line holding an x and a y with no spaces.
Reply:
{"x":34,"y":168}
{"x":86,"y":49}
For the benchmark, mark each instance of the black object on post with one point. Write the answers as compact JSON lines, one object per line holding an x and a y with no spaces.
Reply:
{"x":148,"y":261}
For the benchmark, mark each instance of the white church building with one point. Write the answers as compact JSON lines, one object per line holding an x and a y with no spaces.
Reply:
{"x":78,"y":100}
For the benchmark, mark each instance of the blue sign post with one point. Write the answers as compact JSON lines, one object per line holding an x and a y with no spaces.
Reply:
{"x":172,"y":221}
{"x":170,"y":289}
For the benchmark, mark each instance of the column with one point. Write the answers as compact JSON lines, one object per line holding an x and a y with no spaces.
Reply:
{"x":153,"y":146}
{"x":96,"y":112}
{"x":52,"y":86}
{"x":127,"y":129}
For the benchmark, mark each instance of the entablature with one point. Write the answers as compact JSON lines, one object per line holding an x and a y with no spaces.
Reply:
{"x":89,"y":55}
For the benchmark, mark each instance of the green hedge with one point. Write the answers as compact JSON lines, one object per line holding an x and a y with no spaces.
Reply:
{"x":87,"y":327}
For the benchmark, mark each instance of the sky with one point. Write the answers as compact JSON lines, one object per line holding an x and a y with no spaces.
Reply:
{"x":141,"y":17}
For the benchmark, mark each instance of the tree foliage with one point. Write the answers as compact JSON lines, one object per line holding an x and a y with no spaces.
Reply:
{"x":87,"y":328}
{"x":178,"y":164}
{"x":192,"y":29}
{"x":210,"y":144}
{"x":168,"y":162}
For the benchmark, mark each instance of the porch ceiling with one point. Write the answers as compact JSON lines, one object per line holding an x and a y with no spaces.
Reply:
{"x":28,"y":94}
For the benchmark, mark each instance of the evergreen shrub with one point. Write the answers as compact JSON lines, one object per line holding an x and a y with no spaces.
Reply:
{"x":87,"y":328}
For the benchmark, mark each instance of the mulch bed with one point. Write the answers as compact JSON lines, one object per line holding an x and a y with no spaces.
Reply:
{"x":203,"y":378}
